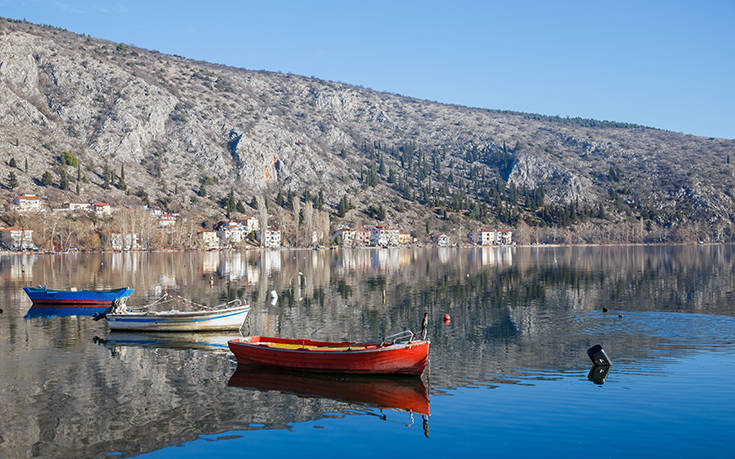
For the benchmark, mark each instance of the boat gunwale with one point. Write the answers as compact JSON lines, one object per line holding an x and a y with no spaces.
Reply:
{"x":168,"y":315}
{"x":377,"y":346}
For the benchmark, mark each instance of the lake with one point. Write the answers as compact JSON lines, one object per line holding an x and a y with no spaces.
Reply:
{"x":508,"y":375}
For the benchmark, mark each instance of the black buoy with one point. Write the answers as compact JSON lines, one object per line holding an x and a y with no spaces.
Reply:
{"x":604,"y":309}
{"x":598,"y":356}
{"x":620,"y":316}
{"x":598,"y":374}
{"x":424,"y":325}
{"x":1,"y":310}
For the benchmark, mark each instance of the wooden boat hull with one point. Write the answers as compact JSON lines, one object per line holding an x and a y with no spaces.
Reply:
{"x":406,"y":393}
{"x":345,"y":357}
{"x":174,"y":321}
{"x":76,"y":298}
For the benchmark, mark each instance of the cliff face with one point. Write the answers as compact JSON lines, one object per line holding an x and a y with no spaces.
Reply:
{"x":172,"y":121}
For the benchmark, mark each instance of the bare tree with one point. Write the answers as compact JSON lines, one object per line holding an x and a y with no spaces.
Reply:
{"x":308,"y":223}
{"x":263,"y":216}
{"x":296,"y":204}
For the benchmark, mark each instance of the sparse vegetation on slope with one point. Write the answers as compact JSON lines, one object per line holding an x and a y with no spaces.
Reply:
{"x":109,"y":121}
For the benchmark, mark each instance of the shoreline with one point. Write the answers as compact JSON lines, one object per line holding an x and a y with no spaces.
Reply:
{"x":294,"y":249}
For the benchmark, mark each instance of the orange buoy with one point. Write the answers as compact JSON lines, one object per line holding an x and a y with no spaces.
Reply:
{"x":447,"y":317}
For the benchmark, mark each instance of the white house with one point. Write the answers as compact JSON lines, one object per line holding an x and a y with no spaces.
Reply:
{"x":346,"y":235}
{"x":15,"y":238}
{"x":166,"y":220}
{"x":272,"y":238}
{"x":230,"y":232}
{"x":207,"y":238}
{"x":124,"y":241}
{"x":442,"y":240}
{"x":27,"y":202}
{"x":491,"y":237}
{"x":102,"y":208}
{"x":78,"y":206}
{"x":383,"y":236}
{"x":249,"y":224}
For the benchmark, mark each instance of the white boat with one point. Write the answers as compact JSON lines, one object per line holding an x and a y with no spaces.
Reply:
{"x":228,"y":316}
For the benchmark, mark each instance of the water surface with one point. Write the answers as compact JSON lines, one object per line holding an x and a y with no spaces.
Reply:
{"x":507,"y":376}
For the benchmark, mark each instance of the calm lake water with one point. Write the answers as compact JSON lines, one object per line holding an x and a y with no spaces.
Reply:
{"x":508,"y":376}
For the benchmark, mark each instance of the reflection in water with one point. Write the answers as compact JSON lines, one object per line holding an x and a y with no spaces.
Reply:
{"x":179,"y":340}
{"x":519,"y":316}
{"x":401,"y":393}
{"x":50,"y":310}
{"x":598,"y":374}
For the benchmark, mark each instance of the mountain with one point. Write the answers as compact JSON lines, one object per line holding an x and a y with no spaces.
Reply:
{"x":188,"y":132}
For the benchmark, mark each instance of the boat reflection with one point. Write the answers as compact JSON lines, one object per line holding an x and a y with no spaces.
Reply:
{"x":405,"y":393}
{"x":598,"y":374}
{"x":201,"y":341}
{"x":62,"y":310}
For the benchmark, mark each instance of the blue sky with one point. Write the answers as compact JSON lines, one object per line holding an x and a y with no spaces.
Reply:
{"x":665,"y":64}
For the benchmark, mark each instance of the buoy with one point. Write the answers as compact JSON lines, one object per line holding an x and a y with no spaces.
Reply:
{"x":447,"y":317}
{"x":1,"y":311}
{"x":620,"y":315}
{"x":598,"y":356}
{"x":211,"y":281}
{"x":604,"y":309}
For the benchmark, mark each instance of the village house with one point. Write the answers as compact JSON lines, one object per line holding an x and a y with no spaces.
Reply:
{"x":14,"y":238}
{"x":249,"y":224}
{"x":230,"y":232}
{"x":207,"y":239}
{"x":102,"y":208}
{"x":490,"y":237}
{"x":362,"y":237}
{"x":504,"y":237}
{"x":78,"y":206}
{"x":345,"y":236}
{"x":124,"y":241}
{"x":404,"y":238}
{"x":442,"y":240}
{"x":272,"y":238}
{"x":383,"y":236}
{"x":166,"y":220}
{"x":27,"y":203}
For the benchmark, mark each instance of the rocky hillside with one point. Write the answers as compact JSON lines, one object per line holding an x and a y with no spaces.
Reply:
{"x":187,"y":132}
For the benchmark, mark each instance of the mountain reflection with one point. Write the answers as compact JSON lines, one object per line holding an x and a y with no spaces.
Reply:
{"x":518,"y":315}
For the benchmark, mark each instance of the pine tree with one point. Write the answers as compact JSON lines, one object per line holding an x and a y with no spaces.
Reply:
{"x":106,"y":177}
{"x":254,"y":203}
{"x":26,"y":165}
{"x":202,"y":191}
{"x":121,"y":179}
{"x":12,"y":180}
{"x":47,"y":179}
{"x":240,"y":207}
{"x":63,"y":179}
{"x":11,"y":163}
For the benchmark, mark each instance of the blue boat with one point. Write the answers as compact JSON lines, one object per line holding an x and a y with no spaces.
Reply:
{"x":76,"y":299}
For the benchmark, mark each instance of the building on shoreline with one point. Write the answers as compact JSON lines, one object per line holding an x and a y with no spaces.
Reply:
{"x":14,"y":238}
{"x":124,"y":241}
{"x":442,"y":240}
{"x":272,"y":238}
{"x":207,"y":239}
{"x":491,"y":237}
{"x":383,"y":236}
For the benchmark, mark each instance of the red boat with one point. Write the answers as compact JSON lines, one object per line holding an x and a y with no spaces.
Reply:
{"x":406,"y":393}
{"x":400,"y":356}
